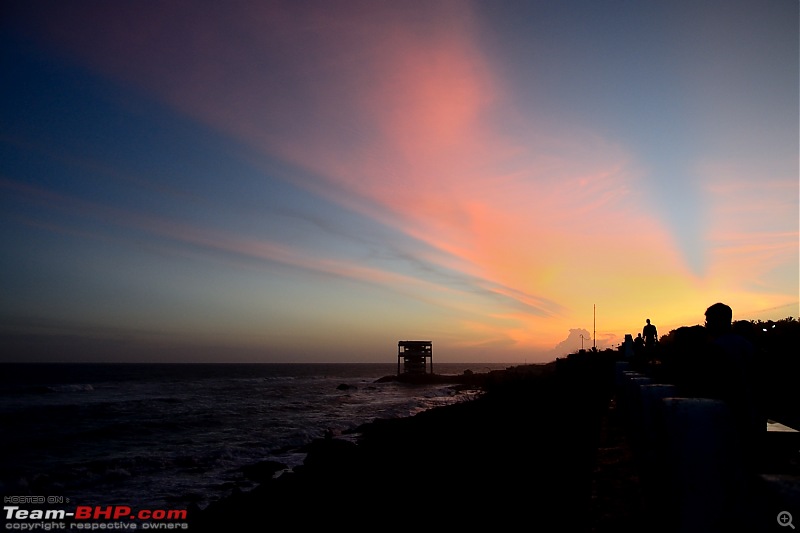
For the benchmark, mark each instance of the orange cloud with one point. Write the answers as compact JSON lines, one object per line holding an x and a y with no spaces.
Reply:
{"x":395,"y":117}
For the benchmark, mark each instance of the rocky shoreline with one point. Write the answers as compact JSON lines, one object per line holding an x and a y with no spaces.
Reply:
{"x":524,"y":450}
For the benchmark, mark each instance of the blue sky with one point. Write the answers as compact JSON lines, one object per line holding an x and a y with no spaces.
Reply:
{"x":278,"y":181}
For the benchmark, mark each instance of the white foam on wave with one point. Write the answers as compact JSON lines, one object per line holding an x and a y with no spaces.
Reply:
{"x":77,"y":387}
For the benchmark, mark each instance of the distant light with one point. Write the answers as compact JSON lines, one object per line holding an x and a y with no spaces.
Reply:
{"x":765,"y":329}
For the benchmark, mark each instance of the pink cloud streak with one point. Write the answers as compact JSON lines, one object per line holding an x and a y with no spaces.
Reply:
{"x":389,"y":115}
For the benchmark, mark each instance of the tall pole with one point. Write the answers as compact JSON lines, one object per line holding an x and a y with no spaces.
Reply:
{"x":594,"y":333}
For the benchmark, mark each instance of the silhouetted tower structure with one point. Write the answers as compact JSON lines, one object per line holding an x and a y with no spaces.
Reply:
{"x":415,"y":355}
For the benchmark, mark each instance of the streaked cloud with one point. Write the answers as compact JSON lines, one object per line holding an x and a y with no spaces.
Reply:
{"x":462,"y":157}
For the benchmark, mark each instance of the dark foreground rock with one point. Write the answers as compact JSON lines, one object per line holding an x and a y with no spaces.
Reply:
{"x":521,"y":455}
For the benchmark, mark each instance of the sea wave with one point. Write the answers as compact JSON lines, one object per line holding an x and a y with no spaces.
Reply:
{"x":152,"y":435}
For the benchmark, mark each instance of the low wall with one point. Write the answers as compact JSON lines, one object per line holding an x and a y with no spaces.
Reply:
{"x":697,"y":471}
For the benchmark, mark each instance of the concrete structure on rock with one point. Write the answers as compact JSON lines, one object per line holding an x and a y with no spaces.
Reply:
{"x":415,"y":355}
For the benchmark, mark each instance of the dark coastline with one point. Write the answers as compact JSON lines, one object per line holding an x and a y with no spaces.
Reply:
{"x":523,"y":451}
{"x":547,"y":447}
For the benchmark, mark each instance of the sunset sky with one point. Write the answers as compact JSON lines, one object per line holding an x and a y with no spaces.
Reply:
{"x":315,"y":181}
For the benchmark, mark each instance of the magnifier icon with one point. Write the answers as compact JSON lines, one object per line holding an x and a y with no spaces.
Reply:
{"x":785,"y":519}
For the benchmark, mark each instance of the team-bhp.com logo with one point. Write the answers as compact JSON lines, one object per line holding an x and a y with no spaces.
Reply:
{"x":87,"y":517}
{"x":86,"y":512}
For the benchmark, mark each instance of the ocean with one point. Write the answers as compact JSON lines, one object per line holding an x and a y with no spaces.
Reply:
{"x":173,"y":435}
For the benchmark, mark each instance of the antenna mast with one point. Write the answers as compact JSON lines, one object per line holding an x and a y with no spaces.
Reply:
{"x":594,"y":325}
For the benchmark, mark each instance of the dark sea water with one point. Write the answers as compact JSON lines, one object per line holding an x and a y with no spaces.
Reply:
{"x":156,"y":435}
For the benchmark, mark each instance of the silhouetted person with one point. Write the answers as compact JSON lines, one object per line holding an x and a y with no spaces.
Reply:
{"x":640,"y":359}
{"x":650,"y":334}
{"x":736,"y":385}
{"x":721,"y":366}
{"x":638,"y":342}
